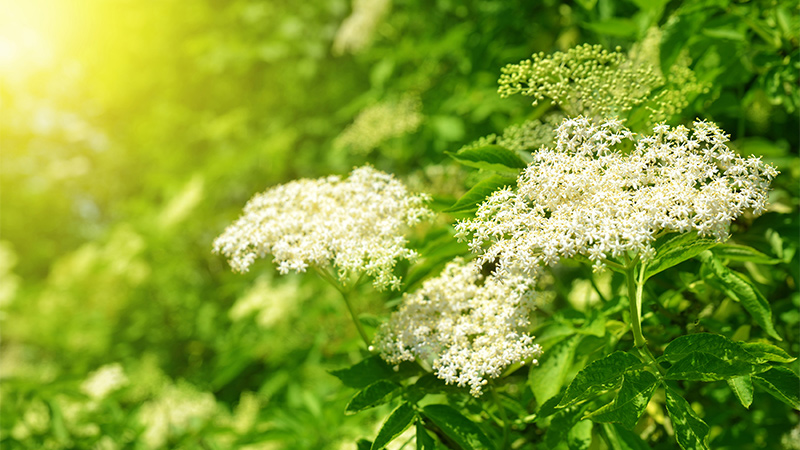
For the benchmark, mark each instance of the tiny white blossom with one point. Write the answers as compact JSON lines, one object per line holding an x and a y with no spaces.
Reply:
{"x":467,"y":327}
{"x":587,"y":197}
{"x":355,"y":225}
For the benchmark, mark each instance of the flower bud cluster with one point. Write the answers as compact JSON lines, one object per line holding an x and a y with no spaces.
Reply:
{"x":466,"y":326}
{"x":378,"y":123}
{"x":356,"y":224}
{"x":592,"y":81}
{"x":601,"y":193}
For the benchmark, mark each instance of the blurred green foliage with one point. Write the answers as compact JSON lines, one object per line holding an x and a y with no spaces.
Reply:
{"x":133,"y":132}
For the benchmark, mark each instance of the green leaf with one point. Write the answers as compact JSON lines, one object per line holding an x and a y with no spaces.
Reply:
{"x":713,"y":344}
{"x":546,"y":379}
{"x":424,"y":440}
{"x":622,"y":439}
{"x":742,"y":387}
{"x":373,"y":395}
{"x":470,"y":201}
{"x":364,"y":373}
{"x":562,"y":424}
{"x":599,"y":376}
{"x":631,"y":401}
{"x":490,"y":157}
{"x":743,"y":253}
{"x":782,"y":384}
{"x":690,"y":430}
{"x":363,"y":444}
{"x":767,"y":352}
{"x":580,"y":435}
{"x":739,"y":288}
{"x":698,"y":366}
{"x":460,"y":429}
{"x":397,"y":422}
{"x":614,"y":26}
{"x":677,"y":250}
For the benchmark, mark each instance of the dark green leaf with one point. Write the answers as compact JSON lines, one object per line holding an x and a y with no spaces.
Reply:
{"x":364,"y":373}
{"x":363,"y":444}
{"x":739,"y":288}
{"x":690,"y":430}
{"x":424,"y":440}
{"x":631,"y":401}
{"x":580,"y":436}
{"x":599,"y":376}
{"x":490,"y":157}
{"x":375,"y":394}
{"x":470,"y":201}
{"x":397,"y":422}
{"x":713,"y":344}
{"x":767,"y":352}
{"x":460,"y":429}
{"x":698,"y":366}
{"x":742,"y":387}
{"x":743,"y":253}
{"x":677,"y":250}
{"x":622,"y":439}
{"x":562,"y":423}
{"x":782,"y":384}
{"x":546,"y":379}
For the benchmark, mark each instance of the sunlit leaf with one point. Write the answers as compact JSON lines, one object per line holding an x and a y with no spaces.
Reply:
{"x":782,"y":384}
{"x":676,"y":250}
{"x":457,"y":427}
{"x":742,"y":387}
{"x":631,"y":401}
{"x":690,"y":430}
{"x":397,"y":422}
{"x":599,"y":376}
{"x":373,"y":395}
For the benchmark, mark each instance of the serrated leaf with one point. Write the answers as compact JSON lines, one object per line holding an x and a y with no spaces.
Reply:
{"x":690,"y":430}
{"x":460,"y":429}
{"x":767,"y":352}
{"x":632,"y":399}
{"x":698,"y":366}
{"x":742,"y":387}
{"x":397,"y":422}
{"x":562,"y":423}
{"x":622,"y":439}
{"x":470,"y":201}
{"x":782,"y":384}
{"x":599,"y":376}
{"x":490,"y":157}
{"x":743,"y":253}
{"x":580,"y":435}
{"x":713,"y":344}
{"x":677,"y":250}
{"x":373,"y":395}
{"x":546,"y":379}
{"x":739,"y":288}
{"x":424,"y":440}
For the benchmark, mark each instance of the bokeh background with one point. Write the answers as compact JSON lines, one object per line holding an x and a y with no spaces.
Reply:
{"x":132,"y":132}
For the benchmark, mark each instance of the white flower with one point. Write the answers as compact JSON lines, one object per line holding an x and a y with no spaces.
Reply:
{"x":467,"y":327}
{"x":104,"y":381}
{"x":355,"y":224}
{"x":587,"y":196}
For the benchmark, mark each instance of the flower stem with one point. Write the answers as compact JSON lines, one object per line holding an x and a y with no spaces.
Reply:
{"x":635,"y":288}
{"x":503,"y":416}
{"x":327,"y":276}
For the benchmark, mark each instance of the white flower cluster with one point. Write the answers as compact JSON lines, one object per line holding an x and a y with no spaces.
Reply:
{"x":468,"y":327}
{"x":104,"y":381}
{"x":358,"y":29}
{"x":586,"y":196}
{"x":381,"y":122}
{"x":355,"y":224}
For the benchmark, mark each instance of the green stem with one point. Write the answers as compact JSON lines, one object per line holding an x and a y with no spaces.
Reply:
{"x":503,"y":416}
{"x":635,"y":288}
{"x":327,"y":276}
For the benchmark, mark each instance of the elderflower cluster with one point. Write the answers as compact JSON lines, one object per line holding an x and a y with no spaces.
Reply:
{"x":586,"y":197}
{"x":104,"y":381}
{"x":589,"y":80}
{"x":467,"y":326}
{"x":358,"y":29}
{"x":378,"y":123}
{"x":355,"y":224}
